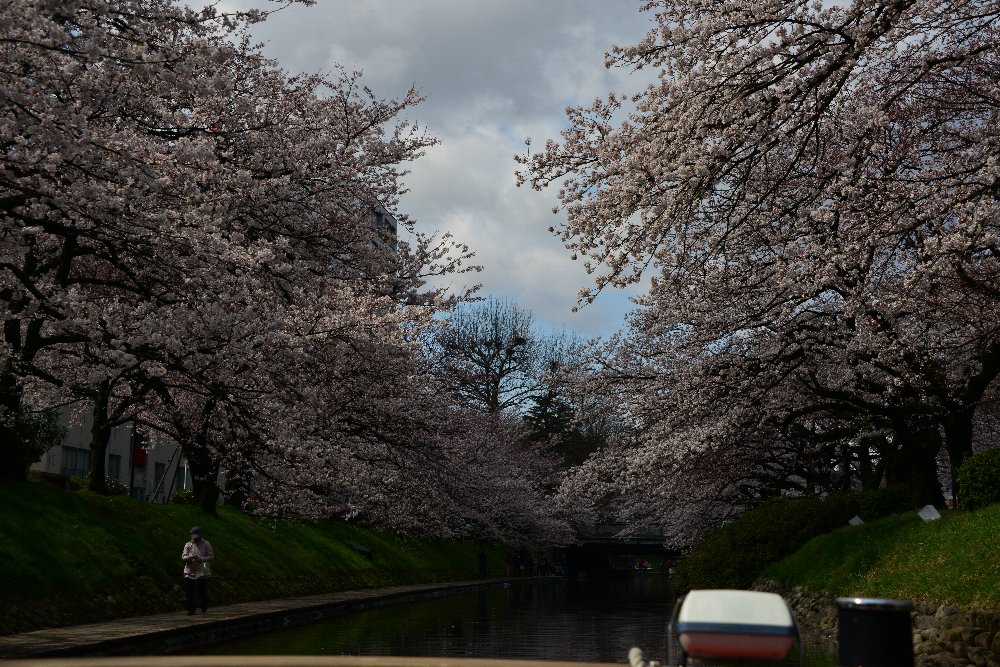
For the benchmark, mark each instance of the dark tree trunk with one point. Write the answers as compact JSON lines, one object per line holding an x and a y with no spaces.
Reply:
{"x":15,"y":452}
{"x":14,"y":449}
{"x":958,"y":441}
{"x":12,"y":465}
{"x":204,"y":478}
{"x":237,"y":491}
{"x":914,"y":464}
{"x":100,"y":436}
{"x":958,"y":426}
{"x":12,"y":461}
{"x":208,"y":498}
{"x":870,"y":473}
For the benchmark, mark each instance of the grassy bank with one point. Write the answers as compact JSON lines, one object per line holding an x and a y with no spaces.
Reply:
{"x":949,"y":561}
{"x":72,"y":557}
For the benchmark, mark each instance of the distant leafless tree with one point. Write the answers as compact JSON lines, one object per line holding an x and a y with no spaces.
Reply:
{"x":493,"y":356}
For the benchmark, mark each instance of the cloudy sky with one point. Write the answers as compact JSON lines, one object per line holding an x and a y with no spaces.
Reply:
{"x":493,"y":72}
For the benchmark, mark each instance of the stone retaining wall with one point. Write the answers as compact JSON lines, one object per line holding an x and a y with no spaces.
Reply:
{"x":947,"y":635}
{"x":943,"y":635}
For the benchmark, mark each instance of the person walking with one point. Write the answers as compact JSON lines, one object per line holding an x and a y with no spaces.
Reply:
{"x":197,"y":556}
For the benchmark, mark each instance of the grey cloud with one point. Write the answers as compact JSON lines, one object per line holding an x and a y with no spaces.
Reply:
{"x":493,"y":72}
{"x":519,"y":51}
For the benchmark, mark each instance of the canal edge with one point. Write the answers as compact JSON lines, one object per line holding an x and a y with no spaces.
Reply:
{"x":172,"y":632}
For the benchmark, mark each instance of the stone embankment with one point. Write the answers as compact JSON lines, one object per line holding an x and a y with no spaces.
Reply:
{"x":943,"y":635}
{"x":948,"y":636}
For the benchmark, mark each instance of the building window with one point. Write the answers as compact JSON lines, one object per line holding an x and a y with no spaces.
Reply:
{"x":115,"y":466}
{"x":75,"y":461}
{"x":182,"y":474}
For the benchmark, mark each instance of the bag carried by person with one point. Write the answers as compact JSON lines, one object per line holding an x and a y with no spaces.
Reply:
{"x":203,"y":569}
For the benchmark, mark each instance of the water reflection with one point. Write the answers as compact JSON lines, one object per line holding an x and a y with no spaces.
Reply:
{"x":556,"y":619}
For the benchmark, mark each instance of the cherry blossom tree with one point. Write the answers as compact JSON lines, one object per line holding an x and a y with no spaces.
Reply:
{"x":812,"y":186}
{"x":195,"y":243}
{"x":99,"y":147}
{"x":154,"y":162}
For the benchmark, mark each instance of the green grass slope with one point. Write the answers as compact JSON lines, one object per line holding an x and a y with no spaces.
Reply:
{"x":72,"y":557}
{"x":953,"y":560}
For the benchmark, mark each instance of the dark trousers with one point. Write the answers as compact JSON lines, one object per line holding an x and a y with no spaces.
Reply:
{"x":202,"y":585}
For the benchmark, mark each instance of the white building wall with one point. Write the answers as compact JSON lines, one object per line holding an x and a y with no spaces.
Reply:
{"x":72,"y":457}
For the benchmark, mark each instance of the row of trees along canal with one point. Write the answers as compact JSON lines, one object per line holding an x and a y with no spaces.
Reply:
{"x":810,"y":188}
{"x":193,"y":244}
{"x":812,"y":191}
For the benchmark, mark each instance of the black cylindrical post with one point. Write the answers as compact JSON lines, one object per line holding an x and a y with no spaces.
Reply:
{"x":874,"y":633}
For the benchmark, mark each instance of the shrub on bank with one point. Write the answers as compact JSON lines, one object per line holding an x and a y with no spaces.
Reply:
{"x":979,"y":480}
{"x":114,"y":485}
{"x":182,"y":497}
{"x":735,"y":555}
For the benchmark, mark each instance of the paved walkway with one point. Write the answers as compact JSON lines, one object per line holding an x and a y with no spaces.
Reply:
{"x":161,"y":633}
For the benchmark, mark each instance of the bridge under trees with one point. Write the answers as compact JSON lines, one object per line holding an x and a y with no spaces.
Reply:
{"x":601,"y":546}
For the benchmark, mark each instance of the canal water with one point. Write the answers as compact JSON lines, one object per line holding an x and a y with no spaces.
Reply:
{"x":555,"y":619}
